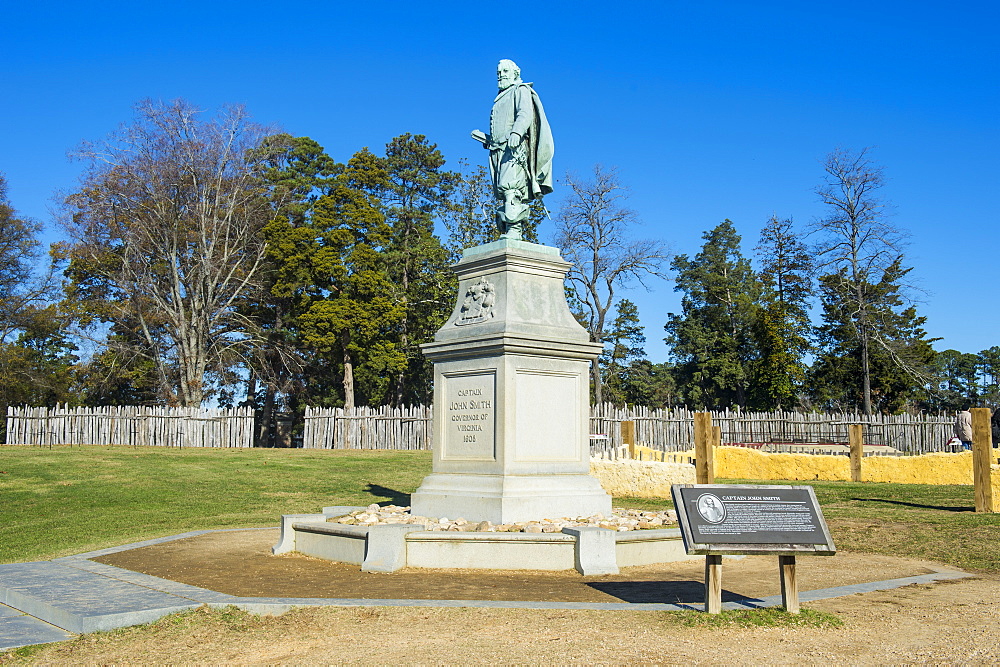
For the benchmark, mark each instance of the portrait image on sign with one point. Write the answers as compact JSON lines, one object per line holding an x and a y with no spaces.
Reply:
{"x":710,"y":508}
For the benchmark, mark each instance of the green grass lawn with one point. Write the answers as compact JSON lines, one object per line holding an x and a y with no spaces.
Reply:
{"x":72,"y":499}
{"x":68,"y":500}
{"x":934,"y":522}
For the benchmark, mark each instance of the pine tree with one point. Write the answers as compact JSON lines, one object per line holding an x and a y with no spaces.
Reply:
{"x":623,"y":347}
{"x":896,"y":360}
{"x":988,"y":365}
{"x":300,"y":173}
{"x":713,"y":338}
{"x":354,"y":313}
{"x":418,"y":193}
{"x":783,"y":322}
{"x":650,"y":385}
{"x":861,"y":256}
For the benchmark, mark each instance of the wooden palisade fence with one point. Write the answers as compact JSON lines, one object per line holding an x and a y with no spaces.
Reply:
{"x":666,"y":430}
{"x":672,"y":429}
{"x":381,"y":427}
{"x":131,"y":426}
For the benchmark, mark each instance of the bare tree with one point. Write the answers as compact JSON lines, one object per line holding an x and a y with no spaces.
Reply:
{"x":165,"y":230}
{"x":860,"y":250}
{"x":20,"y":253}
{"x":592,"y":230}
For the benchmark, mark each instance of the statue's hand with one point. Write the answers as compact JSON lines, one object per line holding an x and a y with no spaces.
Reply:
{"x":513,"y":141}
{"x":481,"y":137}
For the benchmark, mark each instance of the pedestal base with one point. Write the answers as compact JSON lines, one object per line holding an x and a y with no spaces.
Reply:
{"x":502,"y":499}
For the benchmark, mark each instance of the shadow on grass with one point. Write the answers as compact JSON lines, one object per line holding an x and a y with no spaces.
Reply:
{"x":394,"y":497}
{"x":943,"y":508}
{"x":667,"y":592}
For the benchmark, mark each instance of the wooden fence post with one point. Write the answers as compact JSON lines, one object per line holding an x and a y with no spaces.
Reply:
{"x":982,"y":451}
{"x":703,"y":440}
{"x":628,"y":437}
{"x":855,"y":436}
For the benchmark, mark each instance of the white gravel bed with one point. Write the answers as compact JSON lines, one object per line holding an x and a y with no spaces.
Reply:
{"x":621,"y":520}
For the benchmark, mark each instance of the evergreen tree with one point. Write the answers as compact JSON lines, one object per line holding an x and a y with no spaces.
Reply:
{"x":353,"y":312}
{"x":956,"y":380}
{"x":713,"y":338}
{"x":897,"y":360}
{"x":20,"y":253}
{"x":299,"y":173}
{"x":623,"y":347}
{"x":650,"y":385}
{"x":38,"y":367}
{"x":36,"y":357}
{"x":783,"y":322}
{"x":861,"y":256}
{"x":988,"y":365}
{"x":418,"y":193}
{"x":471,"y":221}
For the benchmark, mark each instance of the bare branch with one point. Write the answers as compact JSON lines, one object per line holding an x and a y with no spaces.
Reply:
{"x":166,"y":227}
{"x":592,"y":231}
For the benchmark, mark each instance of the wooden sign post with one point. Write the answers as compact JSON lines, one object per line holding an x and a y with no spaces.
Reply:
{"x":713,"y":583}
{"x":718,"y":519}
{"x":789,"y":586}
{"x":982,"y":457}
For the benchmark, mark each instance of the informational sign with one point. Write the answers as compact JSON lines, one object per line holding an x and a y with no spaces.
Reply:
{"x":745,"y":519}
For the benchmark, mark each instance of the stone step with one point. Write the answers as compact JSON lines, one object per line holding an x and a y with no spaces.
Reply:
{"x":17,"y":629}
{"x":82,"y":601}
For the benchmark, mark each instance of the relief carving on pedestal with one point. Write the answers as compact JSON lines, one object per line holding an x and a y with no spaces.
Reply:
{"x":478,"y":304}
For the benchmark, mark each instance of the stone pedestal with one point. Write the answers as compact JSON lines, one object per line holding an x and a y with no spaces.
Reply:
{"x":511,"y":394}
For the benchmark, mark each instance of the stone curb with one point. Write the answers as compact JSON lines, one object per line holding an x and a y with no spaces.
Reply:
{"x":77,"y":595}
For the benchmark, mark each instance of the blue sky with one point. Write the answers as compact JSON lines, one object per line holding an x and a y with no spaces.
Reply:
{"x":709,"y":110}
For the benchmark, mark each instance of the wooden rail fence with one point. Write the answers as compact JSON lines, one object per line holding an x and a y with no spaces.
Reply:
{"x":130,"y":426}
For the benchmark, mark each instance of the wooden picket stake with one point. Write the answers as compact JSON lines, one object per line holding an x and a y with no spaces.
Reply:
{"x":703,"y":449}
{"x":628,"y":437}
{"x":856,"y":438}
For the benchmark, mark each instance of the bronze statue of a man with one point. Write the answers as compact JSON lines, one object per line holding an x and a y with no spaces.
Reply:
{"x":520,"y":146}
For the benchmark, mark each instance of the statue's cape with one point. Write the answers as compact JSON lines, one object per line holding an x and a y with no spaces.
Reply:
{"x":540,"y":150}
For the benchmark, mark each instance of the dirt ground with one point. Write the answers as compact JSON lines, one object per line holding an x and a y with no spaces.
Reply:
{"x":947,"y":622}
{"x":240,"y":563}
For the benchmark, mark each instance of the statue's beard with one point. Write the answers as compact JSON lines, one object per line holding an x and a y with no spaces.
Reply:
{"x":506,"y":82}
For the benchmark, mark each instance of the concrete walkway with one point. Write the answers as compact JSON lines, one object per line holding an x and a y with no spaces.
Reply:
{"x":46,"y":601}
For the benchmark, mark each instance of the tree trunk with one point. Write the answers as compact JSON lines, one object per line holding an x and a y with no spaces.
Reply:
{"x":345,"y":341}
{"x":267,"y":417}
{"x":595,"y":371}
{"x":866,"y":378}
{"x":252,"y":401}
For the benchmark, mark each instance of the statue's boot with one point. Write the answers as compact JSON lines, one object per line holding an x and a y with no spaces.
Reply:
{"x":513,"y":214}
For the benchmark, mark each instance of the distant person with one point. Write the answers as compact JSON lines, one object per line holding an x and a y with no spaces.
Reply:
{"x":963,"y":427}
